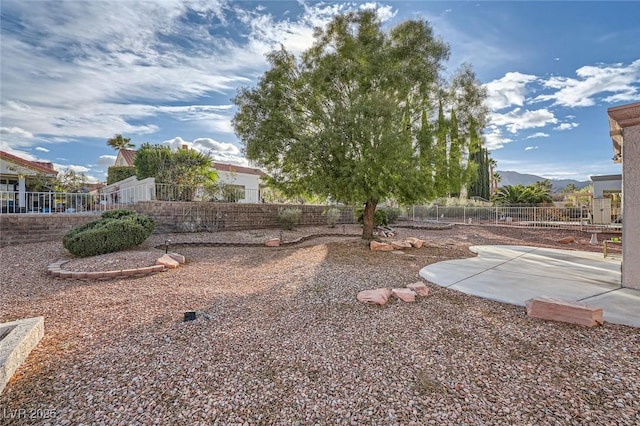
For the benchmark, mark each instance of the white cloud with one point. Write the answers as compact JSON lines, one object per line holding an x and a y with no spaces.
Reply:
{"x":42,"y":149}
{"x":518,"y":119}
{"x":538,"y":135}
{"x":494,"y":139}
{"x":566,"y":126}
{"x":15,"y":131}
{"x":218,"y":151}
{"x":594,"y":81}
{"x":106,"y":161}
{"x":529,"y":148}
{"x":509,"y":90}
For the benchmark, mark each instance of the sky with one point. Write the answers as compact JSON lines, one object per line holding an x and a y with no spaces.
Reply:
{"x":75,"y":73}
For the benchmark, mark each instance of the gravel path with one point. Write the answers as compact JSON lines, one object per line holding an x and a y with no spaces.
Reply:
{"x":281,"y":339}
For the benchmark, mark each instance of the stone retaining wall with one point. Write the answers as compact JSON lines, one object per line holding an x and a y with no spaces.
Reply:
{"x":169,"y":217}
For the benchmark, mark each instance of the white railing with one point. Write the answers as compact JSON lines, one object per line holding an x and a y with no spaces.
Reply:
{"x":53,"y":202}
{"x":541,"y":217}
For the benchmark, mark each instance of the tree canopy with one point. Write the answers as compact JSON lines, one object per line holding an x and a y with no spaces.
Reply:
{"x":360,"y":116}
{"x":118,"y":142}
{"x":181,"y":167}
{"x":538,"y":193}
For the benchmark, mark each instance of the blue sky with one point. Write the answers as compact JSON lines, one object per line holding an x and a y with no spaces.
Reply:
{"x":74,"y":73}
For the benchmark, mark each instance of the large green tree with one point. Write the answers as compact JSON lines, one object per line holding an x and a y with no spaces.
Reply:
{"x":119,"y":142}
{"x":355,"y":117}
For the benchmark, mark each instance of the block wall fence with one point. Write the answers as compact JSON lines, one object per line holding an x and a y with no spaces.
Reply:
{"x":169,"y":217}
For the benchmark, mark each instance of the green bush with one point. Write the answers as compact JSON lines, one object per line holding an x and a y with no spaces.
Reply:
{"x":289,"y":218}
{"x":119,"y":230}
{"x":333,"y":215}
{"x":393,"y":213}
{"x":380,"y":217}
{"x":118,"y":173}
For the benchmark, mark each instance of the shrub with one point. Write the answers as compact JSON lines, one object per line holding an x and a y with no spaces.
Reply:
{"x":393,"y":213}
{"x":118,"y":173}
{"x":333,"y":214}
{"x":119,"y":230}
{"x":380,"y":217}
{"x":289,"y":218}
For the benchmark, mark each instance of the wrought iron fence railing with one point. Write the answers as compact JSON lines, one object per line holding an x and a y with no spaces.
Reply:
{"x":541,"y":217}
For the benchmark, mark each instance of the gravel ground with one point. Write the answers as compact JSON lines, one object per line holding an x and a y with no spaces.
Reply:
{"x":281,"y":339}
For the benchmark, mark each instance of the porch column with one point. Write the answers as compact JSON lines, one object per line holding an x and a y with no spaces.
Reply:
{"x":625,"y":132}
{"x":22,"y":192}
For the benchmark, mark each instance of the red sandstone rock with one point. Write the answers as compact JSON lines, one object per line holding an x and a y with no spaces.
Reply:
{"x":404,"y":294}
{"x":419,"y":288}
{"x":401,"y":245}
{"x":273,"y":242}
{"x":178,"y":258}
{"x":556,"y":309}
{"x":379,"y":296}
{"x":567,"y":240}
{"x":167,"y":261}
{"x":376,"y":246}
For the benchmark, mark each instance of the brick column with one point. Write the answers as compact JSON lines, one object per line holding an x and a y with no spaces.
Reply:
{"x":624,"y":124}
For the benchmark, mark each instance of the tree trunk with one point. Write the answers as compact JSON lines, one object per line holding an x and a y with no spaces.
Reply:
{"x":369,"y":219}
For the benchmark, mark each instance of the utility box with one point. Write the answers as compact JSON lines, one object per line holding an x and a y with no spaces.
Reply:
{"x":601,"y":211}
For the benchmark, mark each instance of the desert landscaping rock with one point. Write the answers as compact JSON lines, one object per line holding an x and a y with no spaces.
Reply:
{"x":284,"y":340}
{"x":419,"y":288}
{"x":273,"y":242}
{"x":168,"y":261}
{"x":178,"y":258}
{"x":564,"y":310}
{"x":379,"y":296}
{"x":567,"y":240}
{"x":404,"y":294}
{"x":401,"y":245}
{"x":377,"y":246}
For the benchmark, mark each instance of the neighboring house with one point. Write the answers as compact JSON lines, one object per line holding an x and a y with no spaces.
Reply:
{"x":238,"y":183}
{"x":606,"y":198}
{"x":241,"y":184}
{"x":20,"y":180}
{"x":125,"y":157}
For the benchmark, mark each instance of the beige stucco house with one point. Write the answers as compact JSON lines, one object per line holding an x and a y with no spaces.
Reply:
{"x":624,"y":127}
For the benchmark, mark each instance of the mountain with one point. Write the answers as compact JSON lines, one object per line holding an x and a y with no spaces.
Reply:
{"x":515,"y":178}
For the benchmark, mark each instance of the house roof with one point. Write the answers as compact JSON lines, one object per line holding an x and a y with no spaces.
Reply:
{"x":37,"y":166}
{"x":128,"y":155}
{"x":232,"y":168}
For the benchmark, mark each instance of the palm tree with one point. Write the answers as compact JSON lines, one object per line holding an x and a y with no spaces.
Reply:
{"x":118,"y":142}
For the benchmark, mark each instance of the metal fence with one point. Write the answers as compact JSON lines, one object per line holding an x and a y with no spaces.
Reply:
{"x":542,"y":217}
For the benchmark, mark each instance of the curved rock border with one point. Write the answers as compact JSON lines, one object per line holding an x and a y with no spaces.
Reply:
{"x":166,"y":261}
{"x":282,"y":243}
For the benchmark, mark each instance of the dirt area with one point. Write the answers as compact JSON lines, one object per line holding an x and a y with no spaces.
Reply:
{"x":280,"y":339}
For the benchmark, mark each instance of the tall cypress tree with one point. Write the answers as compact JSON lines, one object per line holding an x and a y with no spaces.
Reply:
{"x":441,"y":175}
{"x":455,"y":157}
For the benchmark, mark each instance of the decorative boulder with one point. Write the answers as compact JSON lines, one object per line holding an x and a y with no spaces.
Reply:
{"x":167,"y":261}
{"x":178,"y":258}
{"x":273,"y":242}
{"x":419,"y":288}
{"x":404,"y":294}
{"x":376,"y":246}
{"x":401,"y":245}
{"x":557,"y":309}
{"x":567,"y":240}
{"x":379,"y":296}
